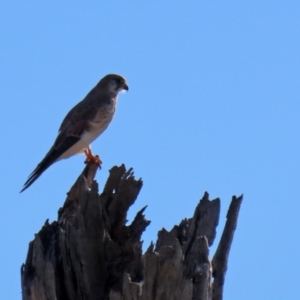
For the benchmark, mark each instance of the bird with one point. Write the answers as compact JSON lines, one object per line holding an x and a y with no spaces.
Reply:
{"x":83,"y":124}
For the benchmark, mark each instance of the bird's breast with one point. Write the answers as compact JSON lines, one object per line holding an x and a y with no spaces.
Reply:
{"x":95,"y":128}
{"x":101,"y":121}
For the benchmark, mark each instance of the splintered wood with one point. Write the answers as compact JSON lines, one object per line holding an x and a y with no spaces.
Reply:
{"x":91,"y":253}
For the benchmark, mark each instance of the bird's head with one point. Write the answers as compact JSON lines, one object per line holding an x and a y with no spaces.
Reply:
{"x":114,"y":83}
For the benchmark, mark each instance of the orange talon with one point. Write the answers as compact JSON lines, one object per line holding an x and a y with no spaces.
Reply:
{"x":92,"y":158}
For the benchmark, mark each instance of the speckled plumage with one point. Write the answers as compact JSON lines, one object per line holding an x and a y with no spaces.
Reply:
{"x":84,"y":123}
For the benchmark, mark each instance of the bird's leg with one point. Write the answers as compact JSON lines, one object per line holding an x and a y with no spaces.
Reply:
{"x":92,"y":158}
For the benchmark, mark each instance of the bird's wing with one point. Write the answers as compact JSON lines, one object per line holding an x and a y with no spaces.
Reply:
{"x":82,"y":111}
{"x":73,"y":126}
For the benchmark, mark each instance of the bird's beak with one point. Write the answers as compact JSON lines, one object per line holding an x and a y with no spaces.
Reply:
{"x":126,"y":87}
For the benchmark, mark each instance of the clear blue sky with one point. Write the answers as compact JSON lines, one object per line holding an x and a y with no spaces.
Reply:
{"x":213,"y":105}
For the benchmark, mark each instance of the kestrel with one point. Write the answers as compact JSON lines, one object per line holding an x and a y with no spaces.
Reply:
{"x":83,"y":124}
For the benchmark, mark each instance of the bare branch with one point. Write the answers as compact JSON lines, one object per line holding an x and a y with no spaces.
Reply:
{"x":220,"y":260}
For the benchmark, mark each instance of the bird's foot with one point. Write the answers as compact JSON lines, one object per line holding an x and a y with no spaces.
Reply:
{"x":93,"y":159}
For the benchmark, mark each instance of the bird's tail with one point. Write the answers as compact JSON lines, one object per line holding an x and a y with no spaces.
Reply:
{"x":52,"y":156}
{"x":38,"y":171}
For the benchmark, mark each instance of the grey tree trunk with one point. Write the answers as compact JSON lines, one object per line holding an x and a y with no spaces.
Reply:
{"x":90,"y":253}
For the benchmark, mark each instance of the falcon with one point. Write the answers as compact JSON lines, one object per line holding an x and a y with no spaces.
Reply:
{"x":83,"y":124}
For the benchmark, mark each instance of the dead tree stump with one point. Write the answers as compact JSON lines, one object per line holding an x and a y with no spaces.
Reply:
{"x":90,"y":253}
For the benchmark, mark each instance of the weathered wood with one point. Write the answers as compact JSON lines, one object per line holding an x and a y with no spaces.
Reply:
{"x":220,"y":259}
{"x":90,"y":252}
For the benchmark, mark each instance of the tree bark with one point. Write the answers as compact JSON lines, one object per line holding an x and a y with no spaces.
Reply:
{"x":90,"y":252}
